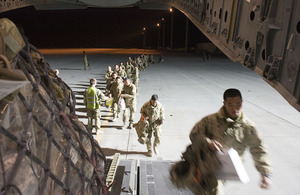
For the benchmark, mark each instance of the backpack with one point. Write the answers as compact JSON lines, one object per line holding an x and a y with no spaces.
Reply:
{"x":11,"y":41}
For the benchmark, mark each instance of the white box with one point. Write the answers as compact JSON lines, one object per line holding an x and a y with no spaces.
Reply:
{"x":232,"y":167}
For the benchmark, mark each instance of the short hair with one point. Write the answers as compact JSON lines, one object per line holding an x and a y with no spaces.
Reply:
{"x":93,"y":81}
{"x":118,"y":77}
{"x":126,"y":78}
{"x":154,"y":97}
{"x":56,"y":72}
{"x":231,"y":93}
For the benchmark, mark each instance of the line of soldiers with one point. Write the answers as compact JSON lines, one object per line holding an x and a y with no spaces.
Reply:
{"x":123,"y":93}
{"x":122,"y":90}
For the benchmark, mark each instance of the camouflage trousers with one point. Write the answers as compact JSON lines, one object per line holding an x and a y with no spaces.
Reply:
{"x":156,"y":131}
{"x":131,"y":111}
{"x":93,"y":114}
{"x":115,"y":108}
{"x":136,"y":83}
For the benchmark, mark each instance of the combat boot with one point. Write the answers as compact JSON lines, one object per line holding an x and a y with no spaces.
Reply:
{"x":130,"y":126}
{"x":149,"y":153}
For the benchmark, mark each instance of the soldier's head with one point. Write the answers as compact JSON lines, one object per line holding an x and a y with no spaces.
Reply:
{"x":116,"y":67}
{"x":153,"y":100}
{"x":114,"y":75}
{"x":233,"y":102}
{"x":118,"y":80}
{"x":109,"y":68}
{"x":93,"y":81}
{"x":127,"y":81}
{"x":56,"y":72}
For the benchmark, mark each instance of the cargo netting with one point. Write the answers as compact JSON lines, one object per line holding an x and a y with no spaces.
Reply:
{"x":44,"y":148}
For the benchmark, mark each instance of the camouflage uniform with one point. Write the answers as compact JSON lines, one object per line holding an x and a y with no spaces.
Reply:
{"x":110,"y":81}
{"x":139,"y":63}
{"x":156,"y":117}
{"x":108,"y":75}
{"x":122,"y":74}
{"x":115,"y":90}
{"x":135,"y":77}
{"x":129,"y":95}
{"x":239,"y":134}
{"x":128,"y":69}
{"x":86,"y":62}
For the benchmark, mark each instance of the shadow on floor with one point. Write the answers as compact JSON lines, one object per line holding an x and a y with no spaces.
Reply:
{"x":111,"y":152}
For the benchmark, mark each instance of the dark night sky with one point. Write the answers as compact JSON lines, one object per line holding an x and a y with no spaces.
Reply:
{"x":101,"y":28}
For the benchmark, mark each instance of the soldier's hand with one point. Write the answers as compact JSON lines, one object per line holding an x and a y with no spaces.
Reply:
{"x":215,"y":145}
{"x":265,"y":182}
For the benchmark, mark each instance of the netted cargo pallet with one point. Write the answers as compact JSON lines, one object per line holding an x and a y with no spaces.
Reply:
{"x":44,"y":148}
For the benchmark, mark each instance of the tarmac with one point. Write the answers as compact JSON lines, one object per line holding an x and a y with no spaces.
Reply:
{"x":189,"y":89}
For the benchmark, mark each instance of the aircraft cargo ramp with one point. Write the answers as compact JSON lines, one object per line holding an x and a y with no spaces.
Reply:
{"x":144,"y":177}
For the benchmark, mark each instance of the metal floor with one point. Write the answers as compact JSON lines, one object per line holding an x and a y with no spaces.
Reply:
{"x":190,"y":89}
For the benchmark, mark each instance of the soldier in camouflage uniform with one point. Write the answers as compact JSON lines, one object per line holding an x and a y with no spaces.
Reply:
{"x":122,"y":65}
{"x":110,"y":81}
{"x":85,"y":61}
{"x":129,"y":95}
{"x":108,"y":74}
{"x":115,"y":90}
{"x":122,"y":73}
{"x":230,"y":128}
{"x":135,"y":77}
{"x":153,"y":112}
{"x":128,"y":69}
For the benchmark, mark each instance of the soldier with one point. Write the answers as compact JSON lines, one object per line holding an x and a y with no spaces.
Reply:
{"x":92,"y":97}
{"x":129,"y":95}
{"x":56,"y":72}
{"x":115,"y":90}
{"x":122,"y":74}
{"x":161,"y":58}
{"x":108,"y":74}
{"x":128,"y":69}
{"x":117,"y":68}
{"x":230,"y":128}
{"x":135,"y":77}
{"x":111,"y":81}
{"x":151,"y":59}
{"x":122,"y":65}
{"x":85,"y":60}
{"x":153,"y":112}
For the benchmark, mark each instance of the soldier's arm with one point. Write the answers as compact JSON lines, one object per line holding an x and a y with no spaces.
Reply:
{"x":131,"y":95}
{"x":198,"y":135}
{"x":106,"y":76}
{"x":143,"y":111}
{"x":162,"y":115}
{"x":259,"y":152}
{"x":101,"y":95}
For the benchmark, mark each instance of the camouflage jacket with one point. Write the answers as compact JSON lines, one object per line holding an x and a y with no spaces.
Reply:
{"x":156,"y":114}
{"x":238,"y":134}
{"x":135,"y":73}
{"x":129,"y":94}
{"x":122,"y":73}
{"x":107,"y":75}
{"x":115,"y":90}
